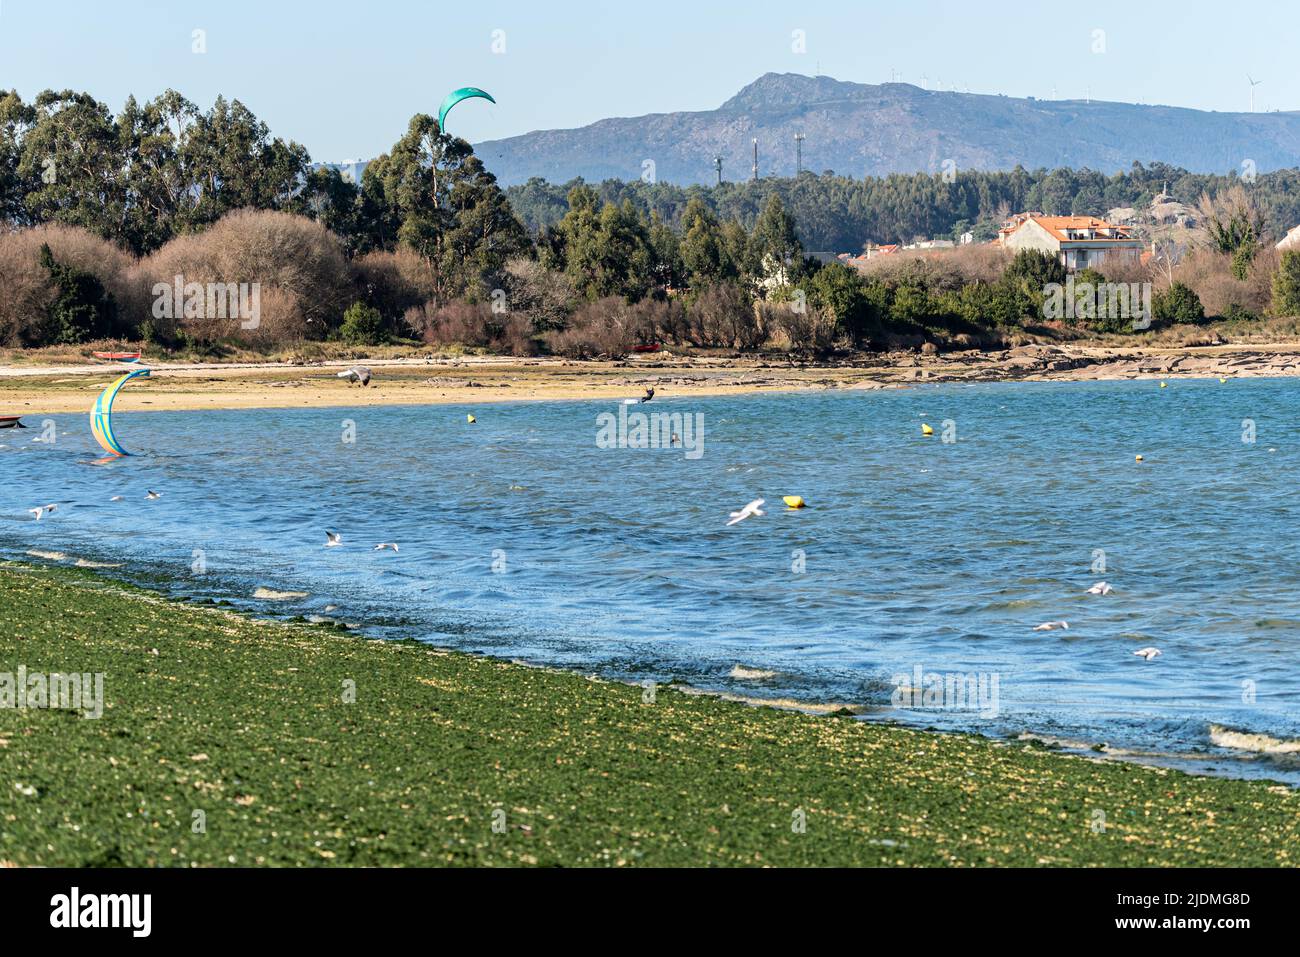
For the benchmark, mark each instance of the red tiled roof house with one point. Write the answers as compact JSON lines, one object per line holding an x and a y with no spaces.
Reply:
{"x":1080,"y":241}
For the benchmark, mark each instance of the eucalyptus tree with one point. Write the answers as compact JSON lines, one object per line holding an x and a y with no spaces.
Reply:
{"x":431,"y":194}
{"x":72,"y":165}
{"x":16,"y":118}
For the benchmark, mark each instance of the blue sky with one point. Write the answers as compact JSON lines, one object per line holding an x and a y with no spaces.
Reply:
{"x":343,"y":79}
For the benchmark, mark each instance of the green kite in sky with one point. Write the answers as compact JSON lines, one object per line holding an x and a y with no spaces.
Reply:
{"x":454,"y":97}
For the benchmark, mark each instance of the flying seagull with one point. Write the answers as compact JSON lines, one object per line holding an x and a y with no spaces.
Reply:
{"x":382,"y":545}
{"x":356,"y":374}
{"x":753,"y":508}
{"x":1052,"y":625}
{"x":1101,"y":588}
{"x":332,"y":539}
{"x":1148,"y":653}
{"x":151,"y":495}
{"x":39,"y":512}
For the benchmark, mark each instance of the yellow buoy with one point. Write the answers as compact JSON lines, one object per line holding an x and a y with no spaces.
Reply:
{"x":470,"y":419}
{"x":1221,"y":379}
{"x":1163,"y":385}
{"x":1139,"y":458}
{"x":794,"y":501}
{"x":926,"y":430}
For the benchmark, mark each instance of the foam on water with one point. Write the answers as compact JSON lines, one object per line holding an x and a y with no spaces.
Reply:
{"x":741,"y":673}
{"x":1250,"y":741}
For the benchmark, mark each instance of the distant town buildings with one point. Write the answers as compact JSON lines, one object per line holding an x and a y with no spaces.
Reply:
{"x":1081,"y":242}
{"x":874,"y":250}
{"x":350,"y":170}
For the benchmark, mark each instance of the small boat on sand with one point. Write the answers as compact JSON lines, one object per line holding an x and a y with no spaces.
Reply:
{"x":118,"y":356}
{"x":11,"y":422}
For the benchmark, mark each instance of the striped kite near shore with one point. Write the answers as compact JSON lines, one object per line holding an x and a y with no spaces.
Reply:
{"x":101,"y":415}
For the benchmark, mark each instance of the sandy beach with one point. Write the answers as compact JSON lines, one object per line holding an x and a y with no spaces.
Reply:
{"x":33,"y":388}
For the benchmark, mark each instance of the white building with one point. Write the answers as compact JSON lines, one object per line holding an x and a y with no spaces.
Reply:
{"x":350,"y":170}
{"x":1081,"y":242}
{"x":1291,"y":240}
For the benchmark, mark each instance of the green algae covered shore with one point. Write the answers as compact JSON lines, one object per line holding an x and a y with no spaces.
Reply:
{"x":226,"y":740}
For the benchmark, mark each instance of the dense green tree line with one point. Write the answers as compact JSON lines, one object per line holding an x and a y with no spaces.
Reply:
{"x":592,"y":267}
{"x":614,"y":249}
{"x":166,"y":168}
{"x":840,"y":214}
{"x":140,"y":177}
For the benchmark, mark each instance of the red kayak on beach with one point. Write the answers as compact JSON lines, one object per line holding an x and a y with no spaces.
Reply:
{"x":11,"y":422}
{"x":119,"y":356}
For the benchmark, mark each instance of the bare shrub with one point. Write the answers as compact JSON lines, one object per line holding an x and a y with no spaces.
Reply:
{"x":799,"y":330}
{"x":1230,"y":218}
{"x":457,"y":323}
{"x":545,"y":296}
{"x":393,"y":282}
{"x":284,"y":254}
{"x":1209,"y":274}
{"x":1259,"y":280}
{"x":472,"y":325}
{"x":663,"y":320}
{"x":25,"y":289}
{"x":982,"y":262}
{"x":281,"y":320}
{"x":1131,"y":271}
{"x":723,"y":315}
{"x":605,"y":327}
{"x":941,"y":270}
{"x":516,"y":337}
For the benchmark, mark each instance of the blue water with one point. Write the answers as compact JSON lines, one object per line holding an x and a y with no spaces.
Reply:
{"x":917,"y":552}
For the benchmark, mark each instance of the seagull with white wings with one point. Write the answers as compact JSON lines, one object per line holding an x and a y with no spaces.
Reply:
{"x":1052,"y":626}
{"x":43,"y":510}
{"x":356,"y":374}
{"x":333,"y":539}
{"x":753,"y":508}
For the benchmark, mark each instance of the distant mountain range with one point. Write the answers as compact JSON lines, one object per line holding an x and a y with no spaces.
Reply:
{"x":859,"y":129}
